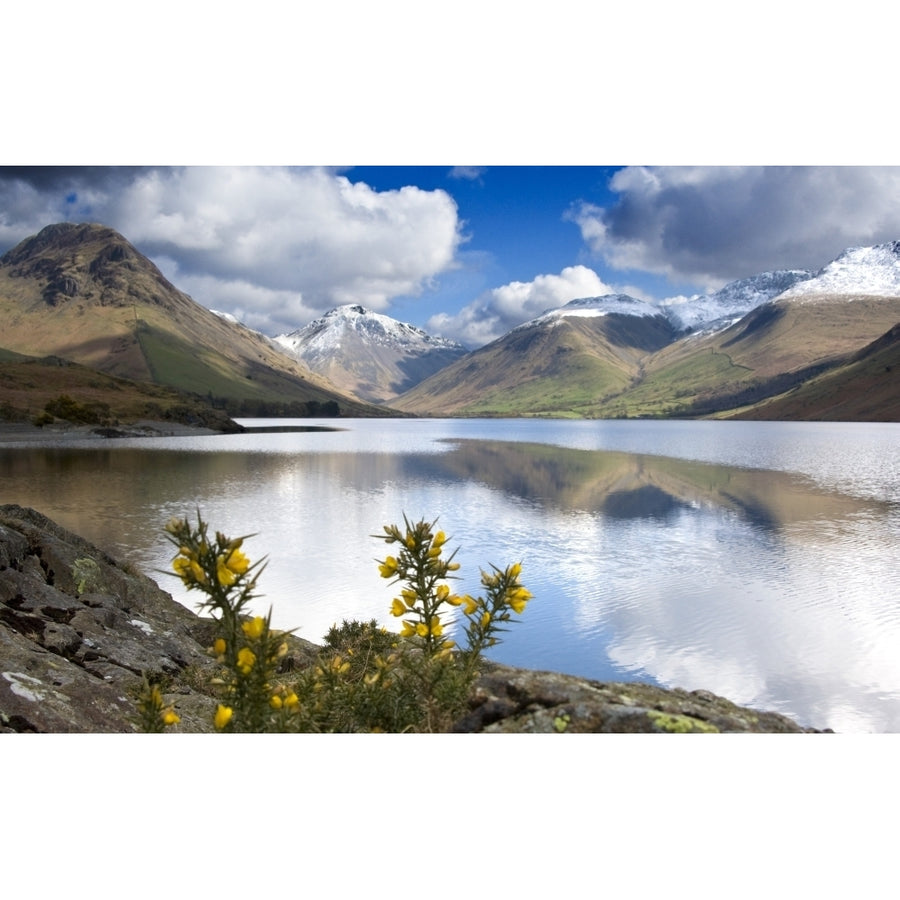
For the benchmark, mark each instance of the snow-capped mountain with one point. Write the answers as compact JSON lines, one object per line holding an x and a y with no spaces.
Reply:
{"x":325,"y":335}
{"x":702,"y":313}
{"x":705,"y":313}
{"x":872,"y":271}
{"x":619,"y":304}
{"x":369,"y":354}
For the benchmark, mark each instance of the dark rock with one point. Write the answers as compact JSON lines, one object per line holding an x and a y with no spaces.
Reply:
{"x":521,"y":700}
{"x":77,"y":631}
{"x":62,"y":285}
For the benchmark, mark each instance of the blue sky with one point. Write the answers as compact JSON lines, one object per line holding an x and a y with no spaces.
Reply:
{"x":465,"y":252}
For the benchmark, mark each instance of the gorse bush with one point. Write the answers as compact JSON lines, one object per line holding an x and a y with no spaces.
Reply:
{"x":364,"y":677}
{"x":247,"y":648}
{"x":65,"y":407}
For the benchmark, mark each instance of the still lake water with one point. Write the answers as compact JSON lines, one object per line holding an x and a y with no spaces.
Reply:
{"x":755,"y":560}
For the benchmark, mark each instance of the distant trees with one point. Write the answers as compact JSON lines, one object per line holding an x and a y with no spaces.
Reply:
{"x":65,"y":407}
{"x":277,"y":409}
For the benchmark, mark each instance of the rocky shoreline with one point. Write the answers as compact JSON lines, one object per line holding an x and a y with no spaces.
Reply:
{"x":78,"y":629}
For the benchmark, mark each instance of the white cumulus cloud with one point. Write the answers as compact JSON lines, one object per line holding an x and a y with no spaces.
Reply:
{"x":273,"y":246}
{"x":500,"y":309}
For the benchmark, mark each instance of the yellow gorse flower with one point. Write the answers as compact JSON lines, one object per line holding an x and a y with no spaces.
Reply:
{"x":519,"y":598}
{"x":237,"y":562}
{"x":254,"y":628}
{"x":170,"y":717}
{"x":188,"y":569}
{"x":245,"y":660}
{"x":398,"y":607}
{"x":223,"y":716}
{"x":229,"y":566}
{"x":388,"y":568}
{"x":339,"y":667}
{"x":224,"y":575}
{"x":219,"y":646}
{"x":518,"y":606}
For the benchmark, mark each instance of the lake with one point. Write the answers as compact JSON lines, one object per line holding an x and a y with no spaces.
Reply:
{"x":755,"y":560}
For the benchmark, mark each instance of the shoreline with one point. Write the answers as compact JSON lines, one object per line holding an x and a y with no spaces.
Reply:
{"x":25,"y":433}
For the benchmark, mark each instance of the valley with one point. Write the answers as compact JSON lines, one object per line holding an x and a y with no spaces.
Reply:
{"x":86,"y":314}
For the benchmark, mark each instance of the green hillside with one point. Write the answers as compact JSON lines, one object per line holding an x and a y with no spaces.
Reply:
{"x":84,"y":294}
{"x":566,"y":369}
{"x":619,"y":367}
{"x":865,"y":388}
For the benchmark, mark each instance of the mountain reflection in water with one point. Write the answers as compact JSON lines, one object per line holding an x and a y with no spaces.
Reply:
{"x":632,"y":486}
{"x":772,"y":588}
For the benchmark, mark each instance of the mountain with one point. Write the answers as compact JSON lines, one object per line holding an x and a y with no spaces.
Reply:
{"x":560,"y":362}
{"x":713,"y":312}
{"x":85,"y":294}
{"x":813,"y":326}
{"x":753,"y":340}
{"x":369,"y":355}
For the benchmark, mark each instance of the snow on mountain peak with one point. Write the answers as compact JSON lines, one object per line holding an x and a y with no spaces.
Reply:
{"x":368,"y":354}
{"x":718,"y":310}
{"x":585,"y":307}
{"x":325,"y":335}
{"x":859,"y":270}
